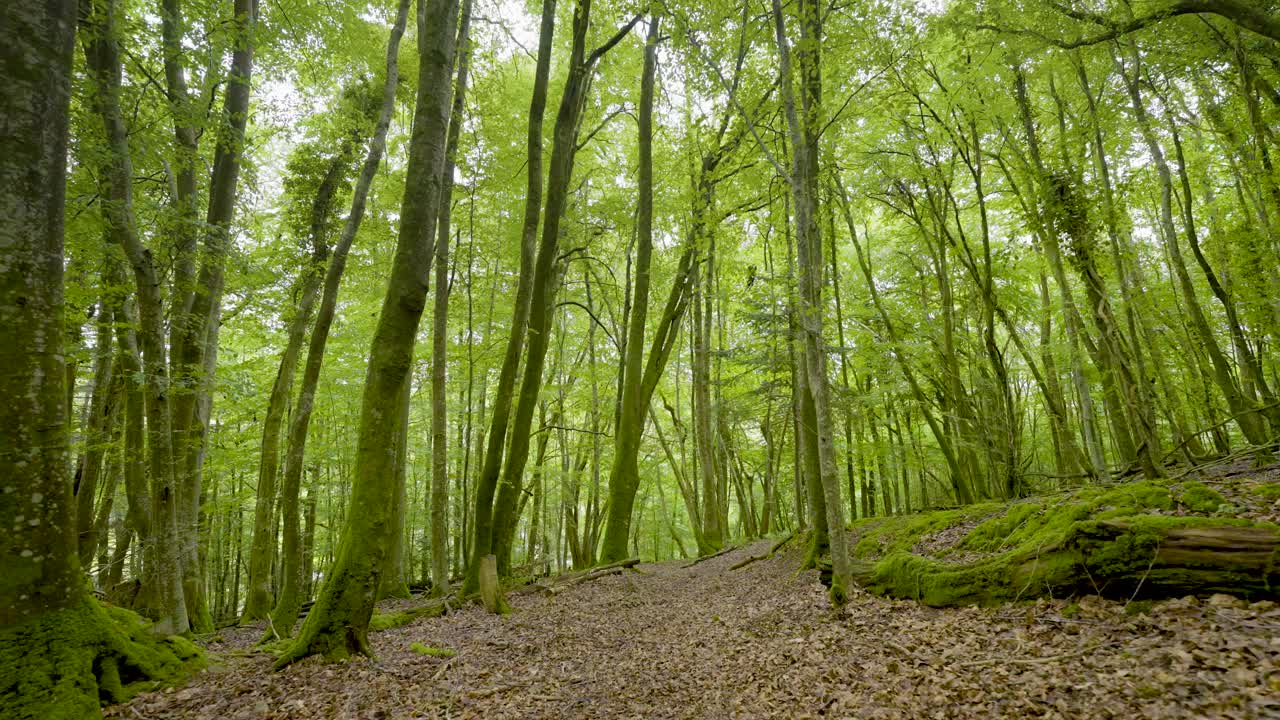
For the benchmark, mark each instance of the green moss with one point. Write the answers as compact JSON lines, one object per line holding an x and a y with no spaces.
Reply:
{"x":884,"y":536}
{"x":1268,"y":491}
{"x":386,"y":621}
{"x":67,"y":663}
{"x":433,"y":651}
{"x":1055,"y":546}
{"x":1198,"y":497}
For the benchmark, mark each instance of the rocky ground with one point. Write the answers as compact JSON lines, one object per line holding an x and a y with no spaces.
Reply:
{"x":706,"y":641}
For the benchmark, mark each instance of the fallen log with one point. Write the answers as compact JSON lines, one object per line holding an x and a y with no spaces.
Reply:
{"x":1142,"y":556}
{"x":712,"y":556}
{"x":772,"y":550}
{"x":596,"y":575}
{"x":566,"y":580}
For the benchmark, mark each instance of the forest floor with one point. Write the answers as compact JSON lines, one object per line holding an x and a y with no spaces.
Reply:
{"x":705,"y":641}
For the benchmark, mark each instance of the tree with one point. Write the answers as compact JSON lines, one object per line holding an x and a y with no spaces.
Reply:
{"x":59,"y":650}
{"x":338,"y":625}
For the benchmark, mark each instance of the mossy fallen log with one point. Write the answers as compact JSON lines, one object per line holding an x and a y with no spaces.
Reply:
{"x":1142,"y":557}
{"x":1123,"y":542}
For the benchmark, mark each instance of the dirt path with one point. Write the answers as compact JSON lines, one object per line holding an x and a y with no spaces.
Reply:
{"x":706,"y":642}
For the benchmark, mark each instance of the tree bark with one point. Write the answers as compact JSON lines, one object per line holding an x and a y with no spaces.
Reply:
{"x":487,"y":482}
{"x":440,"y":326}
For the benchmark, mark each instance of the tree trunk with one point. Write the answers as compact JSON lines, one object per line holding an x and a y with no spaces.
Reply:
{"x":547,"y":273}
{"x":440,"y":326}
{"x":805,"y":132}
{"x":337,"y":625}
{"x":163,"y":562}
{"x":487,"y":482}
{"x":285,"y":613}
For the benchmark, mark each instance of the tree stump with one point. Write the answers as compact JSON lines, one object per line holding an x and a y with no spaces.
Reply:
{"x":490,"y":592}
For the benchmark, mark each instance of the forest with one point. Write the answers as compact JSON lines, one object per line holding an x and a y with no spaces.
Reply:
{"x":639,"y":358}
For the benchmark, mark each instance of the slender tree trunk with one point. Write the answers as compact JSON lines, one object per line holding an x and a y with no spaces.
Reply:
{"x":102,"y":408}
{"x":487,"y":483}
{"x":164,"y":575}
{"x":440,"y":326}
{"x":289,"y":602}
{"x":337,"y":625}
{"x":547,"y":273}
{"x":1246,"y":416}
{"x":805,"y":130}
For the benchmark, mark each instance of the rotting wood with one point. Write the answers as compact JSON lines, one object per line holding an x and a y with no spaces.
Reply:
{"x":1144,"y":556}
{"x":490,"y":593}
{"x":559,"y":584}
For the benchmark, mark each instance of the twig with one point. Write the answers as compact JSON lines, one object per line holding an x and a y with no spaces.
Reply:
{"x":1150,"y":565}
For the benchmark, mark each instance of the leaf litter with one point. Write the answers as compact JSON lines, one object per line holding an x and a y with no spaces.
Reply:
{"x":763,"y":642}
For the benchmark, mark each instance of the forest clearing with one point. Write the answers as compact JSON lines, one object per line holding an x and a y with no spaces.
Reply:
{"x":639,"y":358}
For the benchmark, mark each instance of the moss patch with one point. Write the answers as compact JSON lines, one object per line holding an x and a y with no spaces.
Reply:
{"x":1268,"y":491}
{"x":878,"y":537}
{"x":437,"y":652}
{"x":1200,"y":498}
{"x":386,"y":621}
{"x":68,"y":663}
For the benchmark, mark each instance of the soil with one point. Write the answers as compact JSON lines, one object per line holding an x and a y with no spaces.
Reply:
{"x":763,"y":642}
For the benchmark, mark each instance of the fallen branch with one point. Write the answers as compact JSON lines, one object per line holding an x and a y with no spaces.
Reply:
{"x":628,"y":563}
{"x":606,"y":570}
{"x":596,"y":575}
{"x":712,"y":556}
{"x":754,"y":558}
{"x":559,"y":584}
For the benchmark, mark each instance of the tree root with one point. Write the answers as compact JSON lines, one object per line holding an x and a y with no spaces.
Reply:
{"x":69,"y":662}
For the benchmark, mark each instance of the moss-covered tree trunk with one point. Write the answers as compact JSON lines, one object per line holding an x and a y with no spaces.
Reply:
{"x":1143,"y":556}
{"x":259,"y":601}
{"x":162,"y":562}
{"x":102,"y":405}
{"x":338,"y":624}
{"x":393,"y":582}
{"x":548,"y":271}
{"x":295,"y":574}
{"x":195,"y":320}
{"x":440,"y":326}
{"x":36,"y":506}
{"x":640,"y":377}
{"x":491,"y":467}
{"x":60,"y":653}
{"x":713,"y":532}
